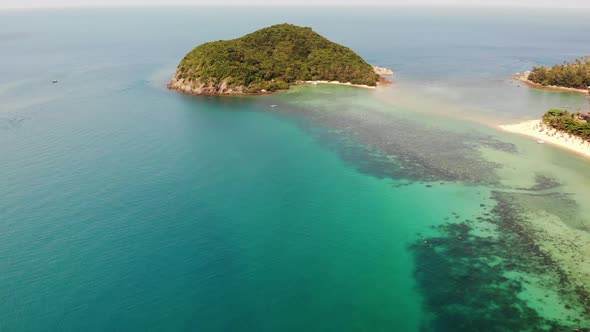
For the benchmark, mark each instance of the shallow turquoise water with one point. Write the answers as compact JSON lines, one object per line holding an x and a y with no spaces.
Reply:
{"x":125,"y":206}
{"x":211,"y":217}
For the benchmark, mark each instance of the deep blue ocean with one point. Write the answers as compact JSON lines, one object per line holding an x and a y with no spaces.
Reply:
{"x":128,"y":207}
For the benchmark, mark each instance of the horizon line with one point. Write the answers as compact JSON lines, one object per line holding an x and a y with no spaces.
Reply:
{"x":367,"y":5}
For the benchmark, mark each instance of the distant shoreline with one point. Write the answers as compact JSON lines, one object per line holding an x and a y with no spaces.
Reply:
{"x":524,"y":77}
{"x":540,"y":131}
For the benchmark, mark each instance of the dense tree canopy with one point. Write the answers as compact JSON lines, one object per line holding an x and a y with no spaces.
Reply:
{"x":274,"y":57}
{"x":572,"y":123}
{"x":571,"y":75}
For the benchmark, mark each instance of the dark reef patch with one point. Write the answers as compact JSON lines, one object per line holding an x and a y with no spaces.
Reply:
{"x":543,"y":194}
{"x":385,"y":146}
{"x":469,"y":281}
{"x":543,"y":183}
{"x":462,"y":276}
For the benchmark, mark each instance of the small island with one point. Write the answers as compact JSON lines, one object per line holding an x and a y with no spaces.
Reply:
{"x":566,"y":129}
{"x":271,"y":59}
{"x":569,"y":76}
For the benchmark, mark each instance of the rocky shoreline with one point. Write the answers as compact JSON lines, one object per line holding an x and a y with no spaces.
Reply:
{"x":207,"y":89}
{"x":201,"y":88}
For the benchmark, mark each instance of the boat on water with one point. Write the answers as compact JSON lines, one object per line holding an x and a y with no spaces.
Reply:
{"x":541,"y":141}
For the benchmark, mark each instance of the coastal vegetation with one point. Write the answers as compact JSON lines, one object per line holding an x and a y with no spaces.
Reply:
{"x":574,"y":74}
{"x":576,"y":124}
{"x":269,"y":59}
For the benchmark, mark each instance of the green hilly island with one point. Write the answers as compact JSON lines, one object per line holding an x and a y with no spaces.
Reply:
{"x":267,"y":60}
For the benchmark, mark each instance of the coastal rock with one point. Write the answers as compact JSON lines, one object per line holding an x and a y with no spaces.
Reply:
{"x":198,"y":87}
{"x":381,"y":71}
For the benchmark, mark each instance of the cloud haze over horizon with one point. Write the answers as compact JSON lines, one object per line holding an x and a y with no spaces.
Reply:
{"x":494,"y":3}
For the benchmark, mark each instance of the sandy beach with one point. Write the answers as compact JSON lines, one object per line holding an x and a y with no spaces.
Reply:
{"x":540,"y":131}
{"x":524,"y":77}
{"x":340,"y":83}
{"x":383,"y":73}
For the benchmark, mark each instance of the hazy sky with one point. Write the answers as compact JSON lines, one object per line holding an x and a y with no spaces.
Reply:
{"x":512,"y":3}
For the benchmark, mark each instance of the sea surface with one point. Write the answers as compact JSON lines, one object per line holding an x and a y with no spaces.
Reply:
{"x":128,"y":207}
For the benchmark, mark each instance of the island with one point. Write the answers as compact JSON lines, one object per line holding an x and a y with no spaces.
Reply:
{"x":569,"y":130}
{"x":569,"y":76}
{"x":271,"y":59}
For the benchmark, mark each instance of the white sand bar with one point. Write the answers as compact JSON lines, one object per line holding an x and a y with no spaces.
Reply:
{"x":540,"y":131}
